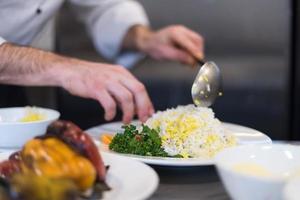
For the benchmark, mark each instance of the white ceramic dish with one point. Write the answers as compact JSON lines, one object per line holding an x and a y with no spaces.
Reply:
{"x":129,"y":179}
{"x":14,"y":134}
{"x":245,"y":135}
{"x":280,"y":160}
{"x":292,"y":189}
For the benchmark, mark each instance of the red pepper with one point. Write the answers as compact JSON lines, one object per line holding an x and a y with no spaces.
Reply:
{"x":138,"y":138}
{"x":9,"y":167}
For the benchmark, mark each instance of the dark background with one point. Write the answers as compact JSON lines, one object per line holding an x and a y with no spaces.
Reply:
{"x":251,"y":41}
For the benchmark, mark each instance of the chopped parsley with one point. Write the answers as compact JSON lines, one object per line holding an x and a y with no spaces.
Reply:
{"x":145,"y":142}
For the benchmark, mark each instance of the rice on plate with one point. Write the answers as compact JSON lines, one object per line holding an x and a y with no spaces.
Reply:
{"x":191,"y":131}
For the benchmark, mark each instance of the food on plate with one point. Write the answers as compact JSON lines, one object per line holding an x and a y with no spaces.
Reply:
{"x":145,"y":142}
{"x":53,"y":158}
{"x":107,"y":138}
{"x":64,"y":156}
{"x":191,"y":131}
{"x":185,"y":131}
{"x":32,"y":114}
{"x":80,"y":141}
{"x":35,"y":187}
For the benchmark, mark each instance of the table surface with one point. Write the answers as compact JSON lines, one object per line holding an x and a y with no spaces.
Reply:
{"x":189,"y":183}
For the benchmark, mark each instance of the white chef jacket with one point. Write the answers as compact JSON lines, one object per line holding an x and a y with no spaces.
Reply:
{"x":107,"y":22}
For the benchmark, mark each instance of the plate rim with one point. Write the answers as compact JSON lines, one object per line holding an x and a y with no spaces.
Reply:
{"x":155,"y":178}
{"x":160,"y":161}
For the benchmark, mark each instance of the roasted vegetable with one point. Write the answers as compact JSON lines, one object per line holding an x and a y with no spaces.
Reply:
{"x":65,"y":156}
{"x":33,"y":187}
{"x":9,"y":167}
{"x":106,"y":138}
{"x":80,"y":141}
{"x":4,"y":189}
{"x":54,"y":159}
{"x":39,"y":187}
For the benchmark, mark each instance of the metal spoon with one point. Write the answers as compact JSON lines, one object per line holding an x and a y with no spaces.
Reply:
{"x":207,"y":85}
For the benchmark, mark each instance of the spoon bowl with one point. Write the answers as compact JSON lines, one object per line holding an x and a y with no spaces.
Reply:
{"x":207,"y":85}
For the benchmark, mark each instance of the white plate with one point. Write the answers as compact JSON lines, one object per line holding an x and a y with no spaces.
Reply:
{"x":129,"y":179}
{"x":244,"y":135}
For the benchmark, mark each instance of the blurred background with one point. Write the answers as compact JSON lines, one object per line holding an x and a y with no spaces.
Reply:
{"x":249,"y":40}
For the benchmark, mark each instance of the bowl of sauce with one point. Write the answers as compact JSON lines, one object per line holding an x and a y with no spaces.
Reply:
{"x":20,"y":124}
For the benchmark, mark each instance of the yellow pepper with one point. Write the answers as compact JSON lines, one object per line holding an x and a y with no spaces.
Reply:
{"x":52,"y":158}
{"x":32,"y":187}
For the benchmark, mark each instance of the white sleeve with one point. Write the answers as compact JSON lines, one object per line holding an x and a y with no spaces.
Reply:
{"x":2,"y":40}
{"x":107,"y":22}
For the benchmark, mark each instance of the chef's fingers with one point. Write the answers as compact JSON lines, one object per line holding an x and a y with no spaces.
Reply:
{"x":197,"y":38}
{"x":183,"y":40}
{"x":174,"y":53}
{"x":125,"y":100}
{"x":108,"y":103}
{"x":144,"y":107}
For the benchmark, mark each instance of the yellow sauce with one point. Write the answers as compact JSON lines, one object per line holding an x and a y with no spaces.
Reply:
{"x":252,"y":169}
{"x":32,"y":115}
{"x":296,"y":173}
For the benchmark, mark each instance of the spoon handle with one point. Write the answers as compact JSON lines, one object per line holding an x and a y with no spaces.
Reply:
{"x":201,"y":62}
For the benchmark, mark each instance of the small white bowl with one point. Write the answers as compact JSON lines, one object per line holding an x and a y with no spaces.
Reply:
{"x":280,"y":160}
{"x":14,"y":134}
{"x":292,"y":189}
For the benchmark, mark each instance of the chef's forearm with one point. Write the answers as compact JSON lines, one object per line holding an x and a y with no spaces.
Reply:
{"x":29,"y":66}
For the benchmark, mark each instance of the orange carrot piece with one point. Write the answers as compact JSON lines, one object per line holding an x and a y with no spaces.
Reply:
{"x":106,"y":138}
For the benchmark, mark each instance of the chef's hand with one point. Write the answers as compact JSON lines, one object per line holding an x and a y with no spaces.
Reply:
{"x":175,"y":42}
{"x":111,"y":85}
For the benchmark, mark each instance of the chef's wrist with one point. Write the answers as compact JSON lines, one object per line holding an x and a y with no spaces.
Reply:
{"x":60,"y":70}
{"x":137,"y":38}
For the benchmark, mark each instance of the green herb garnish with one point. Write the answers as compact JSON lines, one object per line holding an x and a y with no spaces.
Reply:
{"x":145,"y":142}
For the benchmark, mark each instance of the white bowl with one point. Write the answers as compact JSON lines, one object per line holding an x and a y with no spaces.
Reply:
{"x":281,"y":161}
{"x":14,"y":134}
{"x":292,"y":189}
